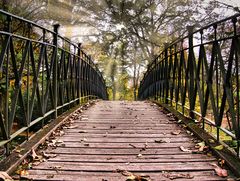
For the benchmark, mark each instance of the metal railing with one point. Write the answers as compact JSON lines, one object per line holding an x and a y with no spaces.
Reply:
{"x":198,"y":75}
{"x":41,"y":75}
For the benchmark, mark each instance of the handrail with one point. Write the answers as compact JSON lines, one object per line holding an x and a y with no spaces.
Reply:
{"x":40,"y":78}
{"x":201,"y":71}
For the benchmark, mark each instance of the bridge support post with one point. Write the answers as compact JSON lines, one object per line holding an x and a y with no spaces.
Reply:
{"x":79,"y":72}
{"x":6,"y":94}
{"x":166,"y":81}
{"x":191,"y":71}
{"x":55,"y":65}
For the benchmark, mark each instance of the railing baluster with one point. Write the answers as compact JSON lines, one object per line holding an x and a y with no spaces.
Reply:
{"x":209,"y":82}
{"x":35,"y":90}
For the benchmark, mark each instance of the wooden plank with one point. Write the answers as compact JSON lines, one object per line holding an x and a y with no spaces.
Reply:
{"x":124,"y":140}
{"x":131,"y":158}
{"x":98,"y":176}
{"x":123,"y":151}
{"x":126,"y":145}
{"x":121,"y":135}
{"x":132,"y":167}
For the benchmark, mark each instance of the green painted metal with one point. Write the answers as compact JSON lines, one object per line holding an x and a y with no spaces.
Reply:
{"x":199,"y":75}
{"x":42,"y":75}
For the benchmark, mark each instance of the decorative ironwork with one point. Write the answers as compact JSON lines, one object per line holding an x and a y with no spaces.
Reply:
{"x":199,"y":75}
{"x":41,"y":75}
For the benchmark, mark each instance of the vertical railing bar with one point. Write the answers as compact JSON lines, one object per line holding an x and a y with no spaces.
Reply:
{"x":234,"y":20}
{"x":8,"y":29}
{"x":55,"y":43}
{"x":28,"y":81}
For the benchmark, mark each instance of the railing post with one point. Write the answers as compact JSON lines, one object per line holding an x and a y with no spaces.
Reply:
{"x":166,"y":83}
{"x":191,"y":70}
{"x":8,"y":128}
{"x":55,"y":64}
{"x":79,"y":72}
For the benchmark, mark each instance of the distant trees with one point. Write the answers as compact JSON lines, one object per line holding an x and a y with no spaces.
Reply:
{"x":127,"y":33}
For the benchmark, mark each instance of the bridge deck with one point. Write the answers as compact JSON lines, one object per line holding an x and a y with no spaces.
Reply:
{"x":113,"y":137}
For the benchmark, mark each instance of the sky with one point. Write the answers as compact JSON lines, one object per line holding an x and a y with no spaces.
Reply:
{"x":231,"y":2}
{"x":76,"y":35}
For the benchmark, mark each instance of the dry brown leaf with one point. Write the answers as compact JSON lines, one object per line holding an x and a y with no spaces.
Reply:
{"x":132,"y":145}
{"x":50,"y":176}
{"x":220,"y":171}
{"x":19,"y":150}
{"x":34,"y":154}
{"x":19,"y":156}
{"x":82,"y":131}
{"x":72,"y":127}
{"x":184,"y":149}
{"x":23,"y":173}
{"x":36,"y":163}
{"x":47,"y":156}
{"x":5,"y":176}
{"x":173,"y":176}
{"x":176,"y":132}
{"x":160,"y":141}
{"x":134,"y":177}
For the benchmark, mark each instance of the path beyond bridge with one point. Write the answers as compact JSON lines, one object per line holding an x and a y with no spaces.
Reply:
{"x":111,"y":140}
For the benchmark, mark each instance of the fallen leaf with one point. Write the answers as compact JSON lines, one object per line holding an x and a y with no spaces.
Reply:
{"x":219,"y":147}
{"x":82,"y":131}
{"x":72,"y":127}
{"x":61,"y":133}
{"x":184,"y":149}
{"x":34,"y":155}
{"x":36,"y":163}
{"x":19,"y":150}
{"x":139,"y":156}
{"x":50,"y":176}
{"x":49,"y":155}
{"x":201,"y":146}
{"x":220,"y":171}
{"x":84,"y":139}
{"x":160,"y":141}
{"x":173,"y":176}
{"x":211,"y":141}
{"x":19,"y":156}
{"x":179,"y":121}
{"x":23,"y":173}
{"x":221,"y":162}
{"x":176,"y":132}
{"x":209,"y":154}
{"x":134,"y":177}
{"x":5,"y":176}
{"x":132,"y":145}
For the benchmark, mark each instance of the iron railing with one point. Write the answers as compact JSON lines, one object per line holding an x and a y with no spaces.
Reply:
{"x":42,"y":74}
{"x":198,"y":75}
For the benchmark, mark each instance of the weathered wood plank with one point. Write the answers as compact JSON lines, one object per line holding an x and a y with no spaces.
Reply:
{"x":132,"y":167}
{"x":122,"y":135}
{"x":98,"y":176}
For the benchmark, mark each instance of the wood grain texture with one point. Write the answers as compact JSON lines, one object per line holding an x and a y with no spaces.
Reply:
{"x":133,"y":136}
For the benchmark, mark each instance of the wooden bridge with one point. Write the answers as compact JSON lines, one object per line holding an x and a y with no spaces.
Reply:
{"x":51,"y":129}
{"x":110,"y":139}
